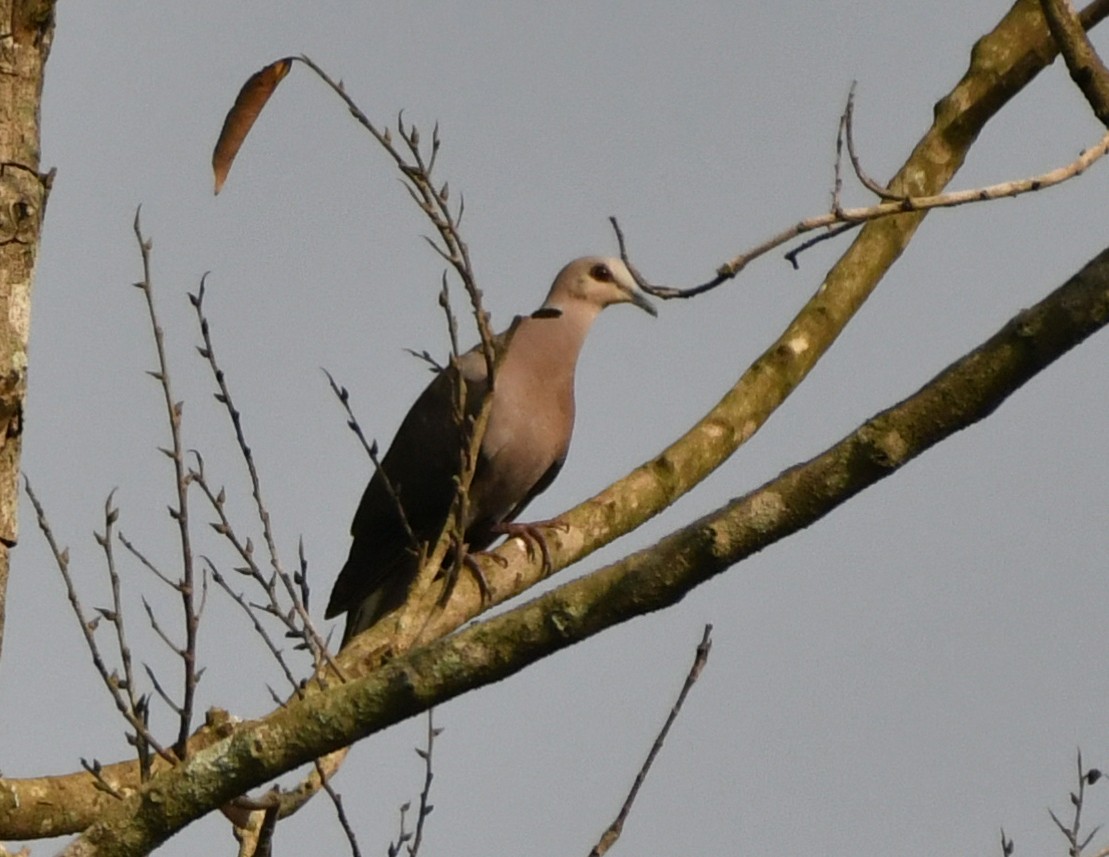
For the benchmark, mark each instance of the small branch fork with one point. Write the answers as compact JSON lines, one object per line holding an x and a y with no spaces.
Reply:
{"x":135,"y":709}
{"x":839,"y":220}
{"x":612,"y":833}
{"x":1076,"y":842}
{"x":1072,"y":832}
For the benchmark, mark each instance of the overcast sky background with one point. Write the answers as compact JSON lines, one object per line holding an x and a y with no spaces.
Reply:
{"x":906,"y":676}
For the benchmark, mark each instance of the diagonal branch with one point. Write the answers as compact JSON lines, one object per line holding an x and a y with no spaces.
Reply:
{"x":840,"y":220}
{"x":651,"y":579}
{"x":613,"y":831}
{"x":1002,"y":63}
{"x":1086,"y":68}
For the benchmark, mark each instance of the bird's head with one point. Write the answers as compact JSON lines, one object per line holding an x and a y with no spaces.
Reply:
{"x":596,"y":282}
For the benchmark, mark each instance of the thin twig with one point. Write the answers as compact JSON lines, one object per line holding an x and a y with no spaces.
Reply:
{"x":147,"y":564}
{"x":431,"y":200}
{"x":848,"y":125}
{"x":259,"y":629}
{"x":408,"y":839}
{"x":304,"y":626}
{"x":425,"y":795}
{"x":88,"y":628}
{"x":136,"y":702}
{"x":343,"y":395}
{"x":180,"y":514}
{"x":851,"y":217}
{"x":434,"y":365}
{"x":1078,"y":798}
{"x":100,"y":783}
{"x":609,"y":837}
{"x":837,"y":183}
{"x":337,"y":801}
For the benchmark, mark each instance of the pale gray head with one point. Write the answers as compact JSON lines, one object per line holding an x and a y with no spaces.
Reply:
{"x":595,"y":282}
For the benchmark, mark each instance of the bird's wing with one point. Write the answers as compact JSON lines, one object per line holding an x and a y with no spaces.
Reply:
{"x":419,"y":469}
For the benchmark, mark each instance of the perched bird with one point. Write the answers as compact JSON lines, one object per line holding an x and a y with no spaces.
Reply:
{"x":526,"y":439}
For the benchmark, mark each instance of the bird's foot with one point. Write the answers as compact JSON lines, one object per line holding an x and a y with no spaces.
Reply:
{"x":467,"y":560}
{"x":532,"y":536}
{"x":479,"y":577}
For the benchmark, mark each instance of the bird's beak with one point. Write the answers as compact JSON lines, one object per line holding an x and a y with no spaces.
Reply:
{"x":641,"y":301}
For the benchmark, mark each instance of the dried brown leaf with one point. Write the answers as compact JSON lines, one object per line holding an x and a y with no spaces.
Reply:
{"x":240,"y":119}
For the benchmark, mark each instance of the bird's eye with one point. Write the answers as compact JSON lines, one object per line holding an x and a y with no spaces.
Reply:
{"x":601,"y":273}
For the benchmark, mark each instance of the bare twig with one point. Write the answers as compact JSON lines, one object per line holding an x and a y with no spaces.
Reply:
{"x":834,"y":232}
{"x":146,"y":563}
{"x":111,"y":680}
{"x":160,"y":691}
{"x":100,"y":782}
{"x":609,"y":837}
{"x":837,"y":184}
{"x":404,"y":835}
{"x":165,"y":638}
{"x":410,"y":840}
{"x":847,"y":125}
{"x":1072,"y":832}
{"x":1006,"y":845}
{"x":343,"y":395}
{"x":433,"y":364}
{"x":337,"y":801}
{"x":137,"y":702}
{"x":431,"y":200}
{"x":180,"y":513}
{"x":425,"y":794}
{"x":259,"y":628}
{"x":850,"y":217}
{"x":303,"y":626}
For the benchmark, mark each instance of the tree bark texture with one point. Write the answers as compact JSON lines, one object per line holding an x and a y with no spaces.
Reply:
{"x":25,"y":38}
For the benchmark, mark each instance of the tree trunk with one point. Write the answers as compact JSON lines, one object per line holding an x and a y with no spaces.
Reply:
{"x":24,"y":47}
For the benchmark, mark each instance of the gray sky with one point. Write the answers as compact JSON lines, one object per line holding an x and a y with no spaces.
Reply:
{"x":906,"y":676}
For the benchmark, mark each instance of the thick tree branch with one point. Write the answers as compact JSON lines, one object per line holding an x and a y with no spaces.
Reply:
{"x":310,"y":726}
{"x":1086,"y":68}
{"x":1002,"y":63}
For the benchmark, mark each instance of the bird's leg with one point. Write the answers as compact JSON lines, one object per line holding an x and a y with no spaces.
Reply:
{"x":532,"y":535}
{"x":467,"y":560}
